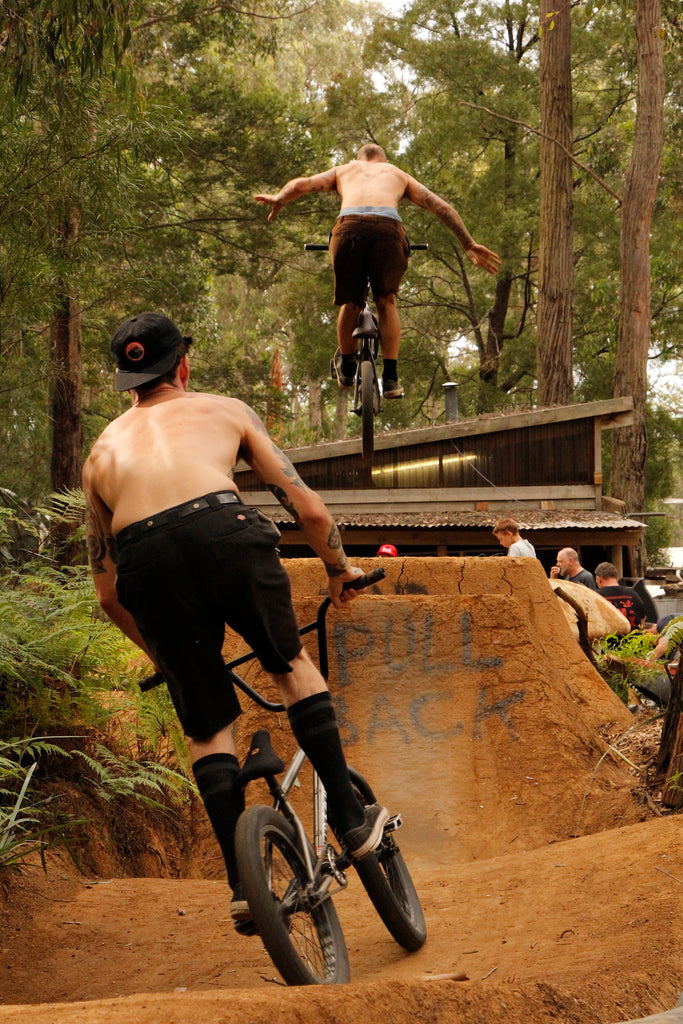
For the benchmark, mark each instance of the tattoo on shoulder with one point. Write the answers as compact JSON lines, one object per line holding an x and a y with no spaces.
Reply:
{"x":256,"y":420}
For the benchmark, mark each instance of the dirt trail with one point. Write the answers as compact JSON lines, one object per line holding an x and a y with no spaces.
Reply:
{"x":550,"y":892}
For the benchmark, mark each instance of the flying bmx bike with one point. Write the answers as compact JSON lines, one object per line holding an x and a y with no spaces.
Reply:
{"x":367,"y":395}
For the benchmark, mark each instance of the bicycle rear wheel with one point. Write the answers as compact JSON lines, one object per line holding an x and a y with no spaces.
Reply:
{"x":387,"y":881}
{"x":300,"y":931}
{"x":367,"y":397}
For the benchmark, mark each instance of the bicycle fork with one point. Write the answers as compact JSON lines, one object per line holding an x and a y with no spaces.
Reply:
{"x":323,"y":865}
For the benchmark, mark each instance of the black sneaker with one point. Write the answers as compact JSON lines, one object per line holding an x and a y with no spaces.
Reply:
{"x":365,"y":838}
{"x":343,"y":381}
{"x":392,"y":389}
{"x":240,"y":912}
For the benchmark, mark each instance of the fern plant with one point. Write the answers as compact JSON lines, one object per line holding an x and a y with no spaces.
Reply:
{"x":27,"y":825}
{"x":623,"y":661}
{"x":65,"y":668}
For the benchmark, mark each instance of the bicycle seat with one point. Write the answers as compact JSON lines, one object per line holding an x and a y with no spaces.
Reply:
{"x":367,"y":325}
{"x":261,"y":760}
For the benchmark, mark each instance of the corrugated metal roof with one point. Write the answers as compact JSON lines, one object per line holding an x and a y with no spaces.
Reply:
{"x":528,"y":519}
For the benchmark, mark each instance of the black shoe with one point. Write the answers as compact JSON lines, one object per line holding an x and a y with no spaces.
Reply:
{"x":343,"y":381}
{"x":365,"y":838}
{"x":392,"y":389}
{"x":246,"y":928}
{"x":240,"y":912}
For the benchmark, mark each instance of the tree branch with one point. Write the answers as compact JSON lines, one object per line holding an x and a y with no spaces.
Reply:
{"x":536,"y":131}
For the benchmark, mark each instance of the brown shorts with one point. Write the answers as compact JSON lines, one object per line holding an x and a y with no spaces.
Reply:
{"x":367,"y":248}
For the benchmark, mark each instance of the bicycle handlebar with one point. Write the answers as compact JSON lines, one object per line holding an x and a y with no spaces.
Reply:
{"x":359,"y":583}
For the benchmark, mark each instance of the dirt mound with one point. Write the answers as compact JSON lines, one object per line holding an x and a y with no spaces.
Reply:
{"x":550,"y":890}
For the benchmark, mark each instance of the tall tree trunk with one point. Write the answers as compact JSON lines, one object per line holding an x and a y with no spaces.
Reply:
{"x":66,"y":398}
{"x":341,"y":415}
{"x":315,"y":406}
{"x":66,"y":395}
{"x":629,"y":444}
{"x":556,"y":221}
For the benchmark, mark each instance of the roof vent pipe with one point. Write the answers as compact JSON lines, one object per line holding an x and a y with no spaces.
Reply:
{"x":451,"y":400}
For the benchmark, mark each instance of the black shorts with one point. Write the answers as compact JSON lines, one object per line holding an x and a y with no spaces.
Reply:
{"x":183,"y":580}
{"x":367,"y":248}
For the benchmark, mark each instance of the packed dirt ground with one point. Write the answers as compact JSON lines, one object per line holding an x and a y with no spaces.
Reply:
{"x":551,"y":879}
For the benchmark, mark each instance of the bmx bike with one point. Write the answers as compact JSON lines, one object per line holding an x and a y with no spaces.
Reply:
{"x":289,"y":880}
{"x":367,"y":396}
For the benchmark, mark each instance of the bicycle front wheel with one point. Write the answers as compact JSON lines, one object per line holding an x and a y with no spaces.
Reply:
{"x":387,"y":881}
{"x":367,"y":397}
{"x":299,"y":928}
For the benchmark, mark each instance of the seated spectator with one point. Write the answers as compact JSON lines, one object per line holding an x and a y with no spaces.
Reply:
{"x":670,"y":637}
{"x":624,"y":598}
{"x":506,"y":532}
{"x":569,"y":568}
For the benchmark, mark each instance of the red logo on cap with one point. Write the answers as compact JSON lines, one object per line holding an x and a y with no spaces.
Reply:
{"x":135,"y":351}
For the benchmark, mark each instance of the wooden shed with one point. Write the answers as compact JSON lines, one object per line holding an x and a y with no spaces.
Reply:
{"x":438,"y":490}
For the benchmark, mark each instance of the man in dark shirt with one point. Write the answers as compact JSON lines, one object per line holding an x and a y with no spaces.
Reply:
{"x":624,"y":598}
{"x":569,"y":568}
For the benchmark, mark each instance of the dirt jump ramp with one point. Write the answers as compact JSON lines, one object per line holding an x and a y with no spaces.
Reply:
{"x":466,"y":701}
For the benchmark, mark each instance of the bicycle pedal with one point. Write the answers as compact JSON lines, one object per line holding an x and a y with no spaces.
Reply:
{"x":394,"y":823}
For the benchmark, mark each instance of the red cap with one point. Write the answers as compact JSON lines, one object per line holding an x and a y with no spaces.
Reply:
{"x":388,"y":549}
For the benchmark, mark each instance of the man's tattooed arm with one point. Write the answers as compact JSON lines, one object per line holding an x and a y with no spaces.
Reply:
{"x":284,"y":500}
{"x":445,"y":212}
{"x":334,"y":542}
{"x":101,"y":545}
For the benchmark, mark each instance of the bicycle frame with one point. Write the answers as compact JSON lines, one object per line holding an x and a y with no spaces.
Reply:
{"x":280,"y":790}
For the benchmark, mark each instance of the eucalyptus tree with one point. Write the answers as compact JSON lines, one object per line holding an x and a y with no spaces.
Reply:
{"x":472,"y":84}
{"x":629,"y":450}
{"x":556,"y":212}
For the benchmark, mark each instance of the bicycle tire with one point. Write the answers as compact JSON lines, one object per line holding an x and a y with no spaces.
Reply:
{"x":367,"y":400}
{"x":386,"y":879}
{"x":305,"y":942}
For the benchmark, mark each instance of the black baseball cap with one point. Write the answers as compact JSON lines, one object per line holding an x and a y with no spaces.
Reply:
{"x":145,"y":347}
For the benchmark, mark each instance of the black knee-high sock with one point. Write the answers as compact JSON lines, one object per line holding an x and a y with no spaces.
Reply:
{"x":390,"y":369}
{"x":224,"y":801}
{"x":314,"y":725}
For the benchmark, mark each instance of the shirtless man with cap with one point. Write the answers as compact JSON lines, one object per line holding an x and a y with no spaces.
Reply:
{"x":175,"y":555}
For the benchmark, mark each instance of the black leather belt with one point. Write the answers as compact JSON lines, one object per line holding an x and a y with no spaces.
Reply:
{"x":175,"y":514}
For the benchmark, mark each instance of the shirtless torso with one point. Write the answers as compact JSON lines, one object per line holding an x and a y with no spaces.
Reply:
{"x":166,"y":450}
{"x":370,"y":183}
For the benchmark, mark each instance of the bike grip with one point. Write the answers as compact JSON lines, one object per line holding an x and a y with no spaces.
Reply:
{"x":366,"y":580}
{"x":419,"y":245}
{"x":151,"y":681}
{"x":315,"y":247}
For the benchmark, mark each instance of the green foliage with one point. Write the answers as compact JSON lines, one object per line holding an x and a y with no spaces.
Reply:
{"x":45,"y":43}
{"x":116,"y":777}
{"x":54,"y":651}
{"x":27,"y":825}
{"x":623,"y":661}
{"x":64,"y":670}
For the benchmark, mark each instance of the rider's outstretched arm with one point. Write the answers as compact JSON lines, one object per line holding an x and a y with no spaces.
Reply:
{"x":448,"y":215}
{"x":297,"y":187}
